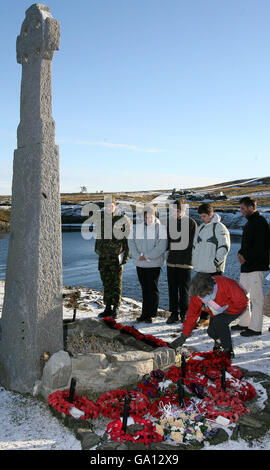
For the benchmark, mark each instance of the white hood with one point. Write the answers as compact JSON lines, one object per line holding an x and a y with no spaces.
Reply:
{"x":216,"y":218}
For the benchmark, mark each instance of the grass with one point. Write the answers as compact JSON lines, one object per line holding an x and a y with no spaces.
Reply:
{"x":4,"y":215}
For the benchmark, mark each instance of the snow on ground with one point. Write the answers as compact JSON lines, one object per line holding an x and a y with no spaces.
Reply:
{"x":26,"y":422}
{"x":255,"y":194}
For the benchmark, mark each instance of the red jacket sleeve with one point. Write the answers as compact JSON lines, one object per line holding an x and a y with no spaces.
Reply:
{"x":193,"y":313}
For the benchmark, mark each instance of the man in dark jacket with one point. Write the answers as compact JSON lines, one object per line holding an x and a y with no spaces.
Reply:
{"x":254,"y":259}
{"x":181,"y":231}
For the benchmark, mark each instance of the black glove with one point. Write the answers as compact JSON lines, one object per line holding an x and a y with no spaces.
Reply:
{"x":178,"y":342}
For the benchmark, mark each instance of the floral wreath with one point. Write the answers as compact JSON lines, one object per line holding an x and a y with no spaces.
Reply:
{"x":111,"y":404}
{"x":158,"y":391}
{"x":146,"y":435}
{"x":59,"y":401}
{"x":148,"y":339}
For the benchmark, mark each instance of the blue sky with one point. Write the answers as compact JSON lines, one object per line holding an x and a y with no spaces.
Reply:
{"x":149,"y":94}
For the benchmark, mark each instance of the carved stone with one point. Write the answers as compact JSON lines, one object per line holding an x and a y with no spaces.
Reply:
{"x":32,"y":311}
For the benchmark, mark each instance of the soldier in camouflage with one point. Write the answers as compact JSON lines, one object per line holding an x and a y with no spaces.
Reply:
{"x":112,"y":248}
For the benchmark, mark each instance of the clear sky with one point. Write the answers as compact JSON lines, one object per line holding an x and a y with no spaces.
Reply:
{"x":149,"y":94}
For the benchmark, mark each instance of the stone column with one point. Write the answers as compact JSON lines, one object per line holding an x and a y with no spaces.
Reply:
{"x":32,"y":317}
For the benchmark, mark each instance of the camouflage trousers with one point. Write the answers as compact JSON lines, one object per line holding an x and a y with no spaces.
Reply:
{"x":111,"y":277}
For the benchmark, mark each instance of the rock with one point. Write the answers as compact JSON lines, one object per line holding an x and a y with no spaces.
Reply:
{"x":264,"y":417}
{"x":129,"y":357}
{"x":163,"y":357}
{"x":75,"y":424}
{"x":267,"y":407}
{"x":136,"y":446}
{"x":122,"y":446}
{"x":133,"y":428}
{"x":92,"y":361}
{"x":255,"y":375}
{"x":164,"y":446}
{"x":112,"y":445}
{"x":99,"y":424}
{"x":194,"y":445}
{"x":56,"y":373}
{"x":219,"y":437}
{"x":250,"y":421}
{"x":88,"y":438}
{"x":250,"y":433}
{"x":235,"y":433}
{"x":266,"y":385}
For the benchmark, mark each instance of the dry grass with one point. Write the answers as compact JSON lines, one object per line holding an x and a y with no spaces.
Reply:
{"x":92,"y":344}
{"x":4,"y":215}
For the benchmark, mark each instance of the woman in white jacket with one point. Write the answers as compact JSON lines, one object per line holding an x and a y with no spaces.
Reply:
{"x":147,"y":244}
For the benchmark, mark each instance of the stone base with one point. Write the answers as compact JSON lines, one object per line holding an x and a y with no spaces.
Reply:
{"x":96,"y":373}
{"x":100,"y":372}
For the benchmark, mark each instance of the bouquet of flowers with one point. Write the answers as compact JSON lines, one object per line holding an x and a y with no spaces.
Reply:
{"x":183,"y":427}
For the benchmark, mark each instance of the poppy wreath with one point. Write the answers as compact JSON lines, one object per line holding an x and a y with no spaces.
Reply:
{"x":59,"y":401}
{"x":145,"y":436}
{"x":149,"y":387}
{"x":208,"y":407}
{"x":213,"y":360}
{"x":148,"y":339}
{"x":157,"y":374}
{"x":111,"y":404}
{"x":241,"y":389}
{"x":173,"y":374}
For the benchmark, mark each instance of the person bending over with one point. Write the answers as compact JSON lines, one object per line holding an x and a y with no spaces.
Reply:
{"x":224,"y":299}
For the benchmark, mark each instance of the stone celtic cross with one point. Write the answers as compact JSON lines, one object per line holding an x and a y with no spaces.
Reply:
{"x":32,"y":320}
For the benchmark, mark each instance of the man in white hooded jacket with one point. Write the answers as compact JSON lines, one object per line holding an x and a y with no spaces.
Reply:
{"x":211,"y":245}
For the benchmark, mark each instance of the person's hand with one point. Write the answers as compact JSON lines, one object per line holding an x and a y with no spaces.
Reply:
{"x":178,"y":342}
{"x":241,"y":259}
{"x":142,"y":258}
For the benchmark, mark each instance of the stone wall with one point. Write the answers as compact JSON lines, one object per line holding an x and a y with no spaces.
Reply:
{"x":105,"y":370}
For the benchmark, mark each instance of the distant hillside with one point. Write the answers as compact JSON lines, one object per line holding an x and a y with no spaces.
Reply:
{"x":259,"y":188}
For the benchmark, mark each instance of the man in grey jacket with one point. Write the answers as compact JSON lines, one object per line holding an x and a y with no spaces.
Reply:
{"x":147,"y":245}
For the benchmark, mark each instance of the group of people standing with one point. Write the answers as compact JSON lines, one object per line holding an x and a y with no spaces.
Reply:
{"x":204,"y":249}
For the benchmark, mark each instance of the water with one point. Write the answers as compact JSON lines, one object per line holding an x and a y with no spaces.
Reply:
{"x":80,"y":266}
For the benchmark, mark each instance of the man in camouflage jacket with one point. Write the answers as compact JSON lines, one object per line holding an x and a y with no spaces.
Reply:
{"x":112,"y":249}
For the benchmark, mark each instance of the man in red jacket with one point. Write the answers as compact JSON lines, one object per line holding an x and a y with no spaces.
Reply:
{"x":225,"y":301}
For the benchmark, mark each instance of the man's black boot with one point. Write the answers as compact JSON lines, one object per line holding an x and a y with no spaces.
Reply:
{"x":183,"y":316}
{"x":115,"y":311}
{"x":173,"y":318}
{"x":106,"y":313}
{"x":229,"y":353}
{"x":217,"y":345}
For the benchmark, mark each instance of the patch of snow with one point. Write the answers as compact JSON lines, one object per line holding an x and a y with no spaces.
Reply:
{"x":27,"y":424}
